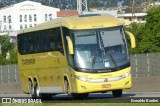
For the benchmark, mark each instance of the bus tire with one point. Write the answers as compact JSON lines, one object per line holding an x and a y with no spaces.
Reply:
{"x":67,"y":88}
{"x":117,"y":93}
{"x":30,"y":87}
{"x":36,"y":90}
{"x":37,"y":94}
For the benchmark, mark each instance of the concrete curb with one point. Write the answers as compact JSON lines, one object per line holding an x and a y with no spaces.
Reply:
{"x":9,"y":88}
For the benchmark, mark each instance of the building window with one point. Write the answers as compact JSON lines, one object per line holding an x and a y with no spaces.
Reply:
{"x":9,"y":19}
{"x":25,"y":25}
{"x":35,"y":17}
{"x":45,"y":17}
{"x":10,"y":27}
{"x":30,"y":25}
{"x":30,"y":18}
{"x":25,"y":18}
{"x":50,"y":16}
{"x":20,"y":18}
{"x":21,"y":26}
{"x":4,"y":18}
{"x":5,"y":28}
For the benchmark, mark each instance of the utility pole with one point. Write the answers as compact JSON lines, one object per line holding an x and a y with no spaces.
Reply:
{"x":82,"y":6}
{"x":0,"y":42}
{"x":133,"y":2}
{"x":0,"y":49}
{"x":153,"y":1}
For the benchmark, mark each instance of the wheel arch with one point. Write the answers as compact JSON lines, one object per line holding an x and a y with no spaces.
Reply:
{"x":30,"y":79}
{"x":67,"y":79}
{"x":36,"y":80}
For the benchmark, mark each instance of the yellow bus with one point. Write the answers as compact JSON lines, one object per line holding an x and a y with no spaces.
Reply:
{"x":75,"y":55}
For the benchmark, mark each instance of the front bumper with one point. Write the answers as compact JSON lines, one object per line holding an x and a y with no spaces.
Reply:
{"x":86,"y":87}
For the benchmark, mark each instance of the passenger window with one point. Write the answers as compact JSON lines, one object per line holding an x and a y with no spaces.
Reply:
{"x":40,"y":41}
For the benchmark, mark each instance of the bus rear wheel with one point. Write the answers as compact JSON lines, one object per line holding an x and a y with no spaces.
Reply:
{"x":117,"y":93}
{"x":36,"y":94}
{"x":35,"y":90}
{"x":30,"y":87}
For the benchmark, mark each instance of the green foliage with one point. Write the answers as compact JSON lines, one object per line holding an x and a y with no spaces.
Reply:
{"x":7,"y":47}
{"x":147,"y":35}
{"x":13,"y":55}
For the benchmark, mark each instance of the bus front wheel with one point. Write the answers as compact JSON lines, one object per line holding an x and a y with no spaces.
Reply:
{"x":117,"y":93}
{"x":67,"y":88}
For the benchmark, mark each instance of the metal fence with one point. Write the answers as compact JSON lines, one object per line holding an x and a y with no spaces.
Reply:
{"x":9,"y":73}
{"x":143,"y":65}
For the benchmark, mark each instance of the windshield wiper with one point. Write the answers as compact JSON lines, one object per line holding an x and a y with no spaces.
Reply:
{"x":113,"y":60}
{"x":94,"y":60}
{"x":102,"y":50}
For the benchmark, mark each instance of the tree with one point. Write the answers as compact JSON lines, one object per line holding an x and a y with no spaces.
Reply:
{"x":147,"y":35}
{"x":5,"y":43}
{"x":152,"y":32}
{"x":8,"y":47}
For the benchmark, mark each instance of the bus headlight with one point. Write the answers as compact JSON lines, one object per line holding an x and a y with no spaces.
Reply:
{"x":91,"y":79}
{"x":82,"y":78}
{"x":126,"y":74}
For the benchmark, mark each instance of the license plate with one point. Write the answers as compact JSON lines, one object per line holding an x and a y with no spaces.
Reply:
{"x":106,"y":86}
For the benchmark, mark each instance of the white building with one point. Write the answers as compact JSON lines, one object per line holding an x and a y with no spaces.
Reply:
{"x":128,"y":18}
{"x":25,"y":15}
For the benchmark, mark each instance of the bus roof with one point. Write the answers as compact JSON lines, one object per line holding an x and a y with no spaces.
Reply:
{"x":77,"y":23}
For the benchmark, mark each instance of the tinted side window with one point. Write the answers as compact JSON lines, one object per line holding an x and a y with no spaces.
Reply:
{"x":40,"y":41}
{"x":55,"y":42}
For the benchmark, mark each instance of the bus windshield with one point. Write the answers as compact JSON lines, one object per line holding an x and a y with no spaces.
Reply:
{"x":100,"y":50}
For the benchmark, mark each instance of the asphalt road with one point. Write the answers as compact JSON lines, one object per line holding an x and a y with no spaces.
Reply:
{"x":98,"y":95}
{"x":94,"y":97}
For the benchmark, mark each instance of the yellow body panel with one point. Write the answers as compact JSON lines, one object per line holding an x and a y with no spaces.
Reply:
{"x":50,"y":68}
{"x":45,"y":67}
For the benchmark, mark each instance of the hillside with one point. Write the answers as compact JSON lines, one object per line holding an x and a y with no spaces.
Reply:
{"x":71,"y":4}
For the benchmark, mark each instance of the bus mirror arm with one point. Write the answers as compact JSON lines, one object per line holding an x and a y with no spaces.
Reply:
{"x":70,"y":45}
{"x":132,"y":39}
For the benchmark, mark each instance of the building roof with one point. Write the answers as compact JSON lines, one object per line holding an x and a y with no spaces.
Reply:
{"x":64,"y":13}
{"x":130,"y":15}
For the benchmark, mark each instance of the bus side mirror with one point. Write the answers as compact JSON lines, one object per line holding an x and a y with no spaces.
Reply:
{"x":70,"y":44}
{"x":132,"y":39}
